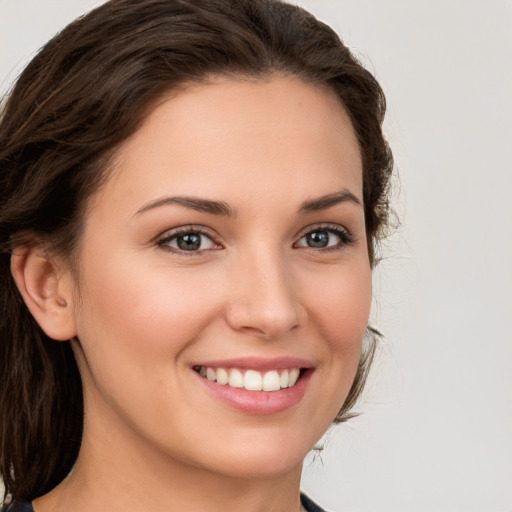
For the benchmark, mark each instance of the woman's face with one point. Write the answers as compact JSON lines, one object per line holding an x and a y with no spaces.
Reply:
{"x":228,"y":245}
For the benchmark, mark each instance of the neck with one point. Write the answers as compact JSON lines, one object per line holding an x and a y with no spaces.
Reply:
{"x":110,"y":476}
{"x":82,"y":492}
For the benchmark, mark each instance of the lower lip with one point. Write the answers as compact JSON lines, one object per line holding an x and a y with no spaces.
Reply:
{"x":259,"y":402}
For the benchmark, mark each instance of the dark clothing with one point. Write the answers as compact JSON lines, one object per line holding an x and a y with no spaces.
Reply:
{"x":17,"y":506}
{"x":309,"y":505}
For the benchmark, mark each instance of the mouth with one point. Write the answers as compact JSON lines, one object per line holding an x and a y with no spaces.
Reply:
{"x":254,"y":385}
{"x":252,"y":379}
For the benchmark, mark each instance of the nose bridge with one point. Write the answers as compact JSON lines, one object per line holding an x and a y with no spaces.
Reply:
{"x":264,"y":298}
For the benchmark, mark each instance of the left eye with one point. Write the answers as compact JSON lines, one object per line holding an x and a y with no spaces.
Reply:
{"x":323,"y":238}
{"x":189,"y":241}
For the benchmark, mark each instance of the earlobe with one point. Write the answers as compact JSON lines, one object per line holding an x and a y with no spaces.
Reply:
{"x":46,"y":292}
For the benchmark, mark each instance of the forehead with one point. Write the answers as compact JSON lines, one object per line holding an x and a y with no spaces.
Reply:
{"x":233,"y":136}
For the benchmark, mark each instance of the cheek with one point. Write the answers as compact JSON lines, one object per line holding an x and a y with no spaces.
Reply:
{"x":136,"y":313}
{"x":338,"y":302}
{"x":340,"y":315}
{"x":343,"y":308}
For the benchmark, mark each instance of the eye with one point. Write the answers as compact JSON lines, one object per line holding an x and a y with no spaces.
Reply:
{"x":187,"y":240}
{"x":325,"y":238}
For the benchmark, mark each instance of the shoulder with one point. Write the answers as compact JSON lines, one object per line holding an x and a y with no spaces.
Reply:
{"x":309,"y":505}
{"x":16,"y":506}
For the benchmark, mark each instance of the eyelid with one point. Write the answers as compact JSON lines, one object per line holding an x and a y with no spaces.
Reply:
{"x":323,"y":225}
{"x":343,"y":232}
{"x":167,"y":235}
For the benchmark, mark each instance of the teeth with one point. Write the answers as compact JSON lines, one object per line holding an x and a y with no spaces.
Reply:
{"x":252,"y":380}
{"x":293,"y":375}
{"x":236,"y":379}
{"x":271,"y":381}
{"x":284,"y":379}
{"x":222,"y":376}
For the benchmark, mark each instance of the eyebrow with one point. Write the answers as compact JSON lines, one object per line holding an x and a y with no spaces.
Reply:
{"x":194,"y":203}
{"x":329,"y":200}
{"x":223,"y":209}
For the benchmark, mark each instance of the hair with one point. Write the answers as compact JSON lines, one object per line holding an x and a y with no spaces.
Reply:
{"x":83,"y":94}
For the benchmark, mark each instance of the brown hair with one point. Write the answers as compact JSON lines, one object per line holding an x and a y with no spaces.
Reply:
{"x":83,"y":94}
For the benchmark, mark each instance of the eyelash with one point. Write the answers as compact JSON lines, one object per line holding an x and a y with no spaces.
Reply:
{"x":185,"y":230}
{"x":343,"y":234}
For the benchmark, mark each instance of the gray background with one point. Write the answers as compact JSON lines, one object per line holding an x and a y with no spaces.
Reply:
{"x":436,"y":433}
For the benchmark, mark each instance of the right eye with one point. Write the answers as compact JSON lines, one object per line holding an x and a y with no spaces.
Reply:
{"x":187,"y":240}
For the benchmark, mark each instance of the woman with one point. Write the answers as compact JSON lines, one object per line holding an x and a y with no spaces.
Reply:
{"x":192,"y":192}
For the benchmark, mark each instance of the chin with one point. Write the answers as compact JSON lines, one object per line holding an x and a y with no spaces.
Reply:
{"x":261,"y":467}
{"x":264,"y":457}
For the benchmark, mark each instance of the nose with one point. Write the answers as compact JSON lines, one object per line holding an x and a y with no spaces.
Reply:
{"x":264,"y":301}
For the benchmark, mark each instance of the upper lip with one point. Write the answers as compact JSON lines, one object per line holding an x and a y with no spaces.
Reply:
{"x":258,"y":363}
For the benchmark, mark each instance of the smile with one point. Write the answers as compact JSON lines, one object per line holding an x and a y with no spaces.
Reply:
{"x":256,"y":385}
{"x":250,"y":379}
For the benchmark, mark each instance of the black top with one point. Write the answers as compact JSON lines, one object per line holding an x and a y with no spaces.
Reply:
{"x":308,"y":504}
{"x":18,"y":506}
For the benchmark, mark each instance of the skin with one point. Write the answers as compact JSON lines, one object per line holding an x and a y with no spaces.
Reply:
{"x":145,"y":312}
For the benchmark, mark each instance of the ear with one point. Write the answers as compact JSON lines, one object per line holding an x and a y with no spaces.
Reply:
{"x":46,"y":290}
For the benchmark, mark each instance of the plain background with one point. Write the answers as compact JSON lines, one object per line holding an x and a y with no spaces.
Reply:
{"x":436,"y":429}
